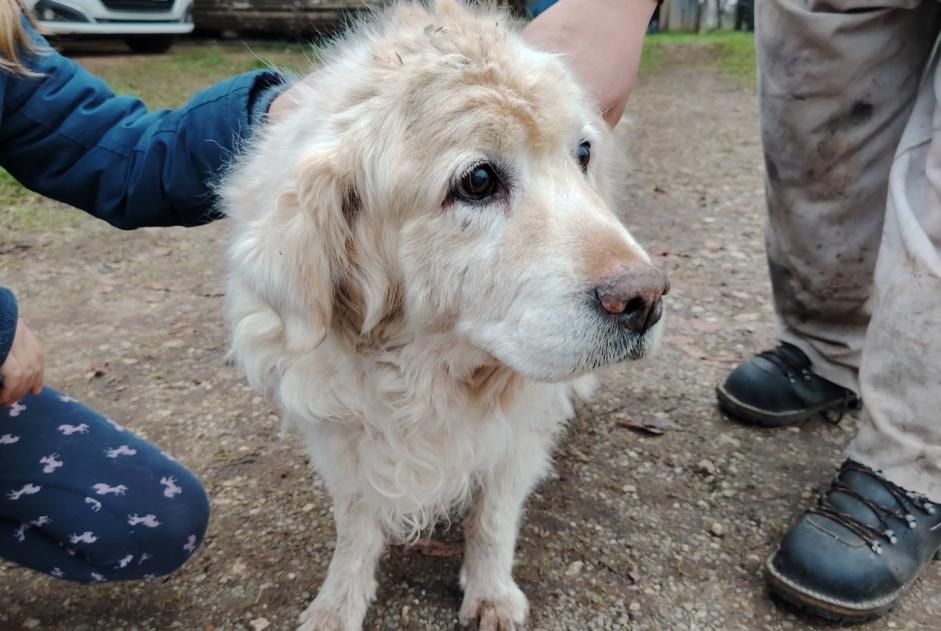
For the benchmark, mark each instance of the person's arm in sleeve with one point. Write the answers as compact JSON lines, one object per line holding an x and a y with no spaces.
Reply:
{"x":66,"y":135}
{"x":603,"y":40}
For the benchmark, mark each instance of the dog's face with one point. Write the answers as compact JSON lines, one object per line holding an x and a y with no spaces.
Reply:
{"x":514,"y":236}
{"x":464,"y":189}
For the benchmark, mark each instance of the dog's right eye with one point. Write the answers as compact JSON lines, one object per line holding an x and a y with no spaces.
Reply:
{"x":478,"y":184}
{"x":584,"y":155}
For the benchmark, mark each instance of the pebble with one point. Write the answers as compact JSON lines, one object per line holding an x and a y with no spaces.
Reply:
{"x":574,"y":568}
{"x":717,"y":530}
{"x":31,"y":623}
{"x":259,"y":624}
{"x":706,"y":466}
{"x":728,"y":439}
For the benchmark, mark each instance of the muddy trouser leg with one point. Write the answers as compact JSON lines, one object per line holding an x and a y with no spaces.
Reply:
{"x":837,"y":82}
{"x":900,"y":376}
{"x":84,"y":499}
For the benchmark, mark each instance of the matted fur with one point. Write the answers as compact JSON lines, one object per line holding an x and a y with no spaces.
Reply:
{"x":426,"y":348}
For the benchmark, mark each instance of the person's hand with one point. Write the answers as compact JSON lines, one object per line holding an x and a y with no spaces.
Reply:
{"x":22,"y":370}
{"x":287,"y":100}
{"x":281,"y":104}
{"x":602,"y":39}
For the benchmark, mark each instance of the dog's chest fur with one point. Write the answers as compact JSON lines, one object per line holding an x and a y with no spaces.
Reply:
{"x":411,"y":433}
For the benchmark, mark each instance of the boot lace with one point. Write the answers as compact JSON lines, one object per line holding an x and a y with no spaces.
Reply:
{"x":789,"y":360}
{"x":873,"y":535}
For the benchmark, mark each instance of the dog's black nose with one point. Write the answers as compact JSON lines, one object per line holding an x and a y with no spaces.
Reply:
{"x":634,"y":297}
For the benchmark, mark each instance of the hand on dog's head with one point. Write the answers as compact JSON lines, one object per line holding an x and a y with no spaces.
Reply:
{"x":439,"y":177}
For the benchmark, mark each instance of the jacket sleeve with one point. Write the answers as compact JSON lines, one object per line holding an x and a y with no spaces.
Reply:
{"x":8,"y":318}
{"x":66,"y":135}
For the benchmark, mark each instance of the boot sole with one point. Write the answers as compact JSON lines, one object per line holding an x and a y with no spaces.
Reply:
{"x":818,"y":605}
{"x":756,"y":416}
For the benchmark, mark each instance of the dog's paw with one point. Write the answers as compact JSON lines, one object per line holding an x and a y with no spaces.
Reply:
{"x":504,"y":612}
{"x":316,"y":618}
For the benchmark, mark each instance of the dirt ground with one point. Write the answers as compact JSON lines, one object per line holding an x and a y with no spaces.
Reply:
{"x":633,"y":531}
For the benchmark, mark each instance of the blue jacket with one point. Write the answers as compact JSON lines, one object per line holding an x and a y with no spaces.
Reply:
{"x":66,"y":135}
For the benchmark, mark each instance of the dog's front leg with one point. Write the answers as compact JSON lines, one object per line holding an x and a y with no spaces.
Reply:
{"x":491,"y":596}
{"x":351,"y":583}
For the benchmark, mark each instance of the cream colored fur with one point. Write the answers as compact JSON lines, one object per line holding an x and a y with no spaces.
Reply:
{"x":426,"y":348}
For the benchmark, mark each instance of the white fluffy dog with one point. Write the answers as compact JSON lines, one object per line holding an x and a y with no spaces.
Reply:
{"x":424,"y":268}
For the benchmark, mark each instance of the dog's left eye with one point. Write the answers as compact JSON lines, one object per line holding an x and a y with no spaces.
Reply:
{"x":478,"y":184}
{"x":584,"y":155}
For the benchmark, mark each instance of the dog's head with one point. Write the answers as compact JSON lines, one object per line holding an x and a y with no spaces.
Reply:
{"x":439,"y":176}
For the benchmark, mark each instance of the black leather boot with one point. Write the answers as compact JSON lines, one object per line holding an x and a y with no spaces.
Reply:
{"x":778,"y":387}
{"x":853,"y":555}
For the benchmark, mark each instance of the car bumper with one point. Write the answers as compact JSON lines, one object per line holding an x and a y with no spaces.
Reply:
{"x":117,"y":28}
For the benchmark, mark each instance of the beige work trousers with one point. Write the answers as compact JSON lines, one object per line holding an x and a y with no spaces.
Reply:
{"x":851,"y":127}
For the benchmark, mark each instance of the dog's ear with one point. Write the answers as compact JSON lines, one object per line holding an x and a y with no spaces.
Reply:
{"x":318,"y":252}
{"x":295,"y":255}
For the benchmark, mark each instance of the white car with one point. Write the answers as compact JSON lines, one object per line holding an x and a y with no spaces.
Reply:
{"x":147,"y":26}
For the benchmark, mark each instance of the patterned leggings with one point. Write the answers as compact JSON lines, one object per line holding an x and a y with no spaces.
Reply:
{"x":84,"y":499}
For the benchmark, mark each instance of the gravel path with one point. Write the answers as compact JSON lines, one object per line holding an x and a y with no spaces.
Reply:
{"x":633,"y":531}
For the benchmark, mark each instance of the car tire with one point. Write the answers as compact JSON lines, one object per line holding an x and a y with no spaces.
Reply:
{"x":149,"y":44}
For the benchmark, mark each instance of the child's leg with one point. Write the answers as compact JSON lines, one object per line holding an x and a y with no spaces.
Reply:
{"x":84,"y":499}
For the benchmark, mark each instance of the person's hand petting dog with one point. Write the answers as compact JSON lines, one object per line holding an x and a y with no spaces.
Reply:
{"x":22,"y":371}
{"x":602,"y":39}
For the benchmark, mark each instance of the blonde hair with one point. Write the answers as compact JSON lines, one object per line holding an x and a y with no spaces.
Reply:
{"x":13,"y":37}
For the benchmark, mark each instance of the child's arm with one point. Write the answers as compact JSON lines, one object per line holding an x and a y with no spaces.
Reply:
{"x":66,"y":135}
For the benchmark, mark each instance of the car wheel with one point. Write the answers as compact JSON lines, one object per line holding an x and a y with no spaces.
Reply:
{"x":149,"y":43}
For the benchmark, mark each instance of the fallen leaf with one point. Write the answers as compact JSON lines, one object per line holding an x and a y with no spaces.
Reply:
{"x":655,"y":424}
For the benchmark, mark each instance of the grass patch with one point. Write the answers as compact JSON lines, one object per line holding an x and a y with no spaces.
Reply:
{"x":23,"y":212}
{"x":169,"y":80}
{"x":733,"y":52}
